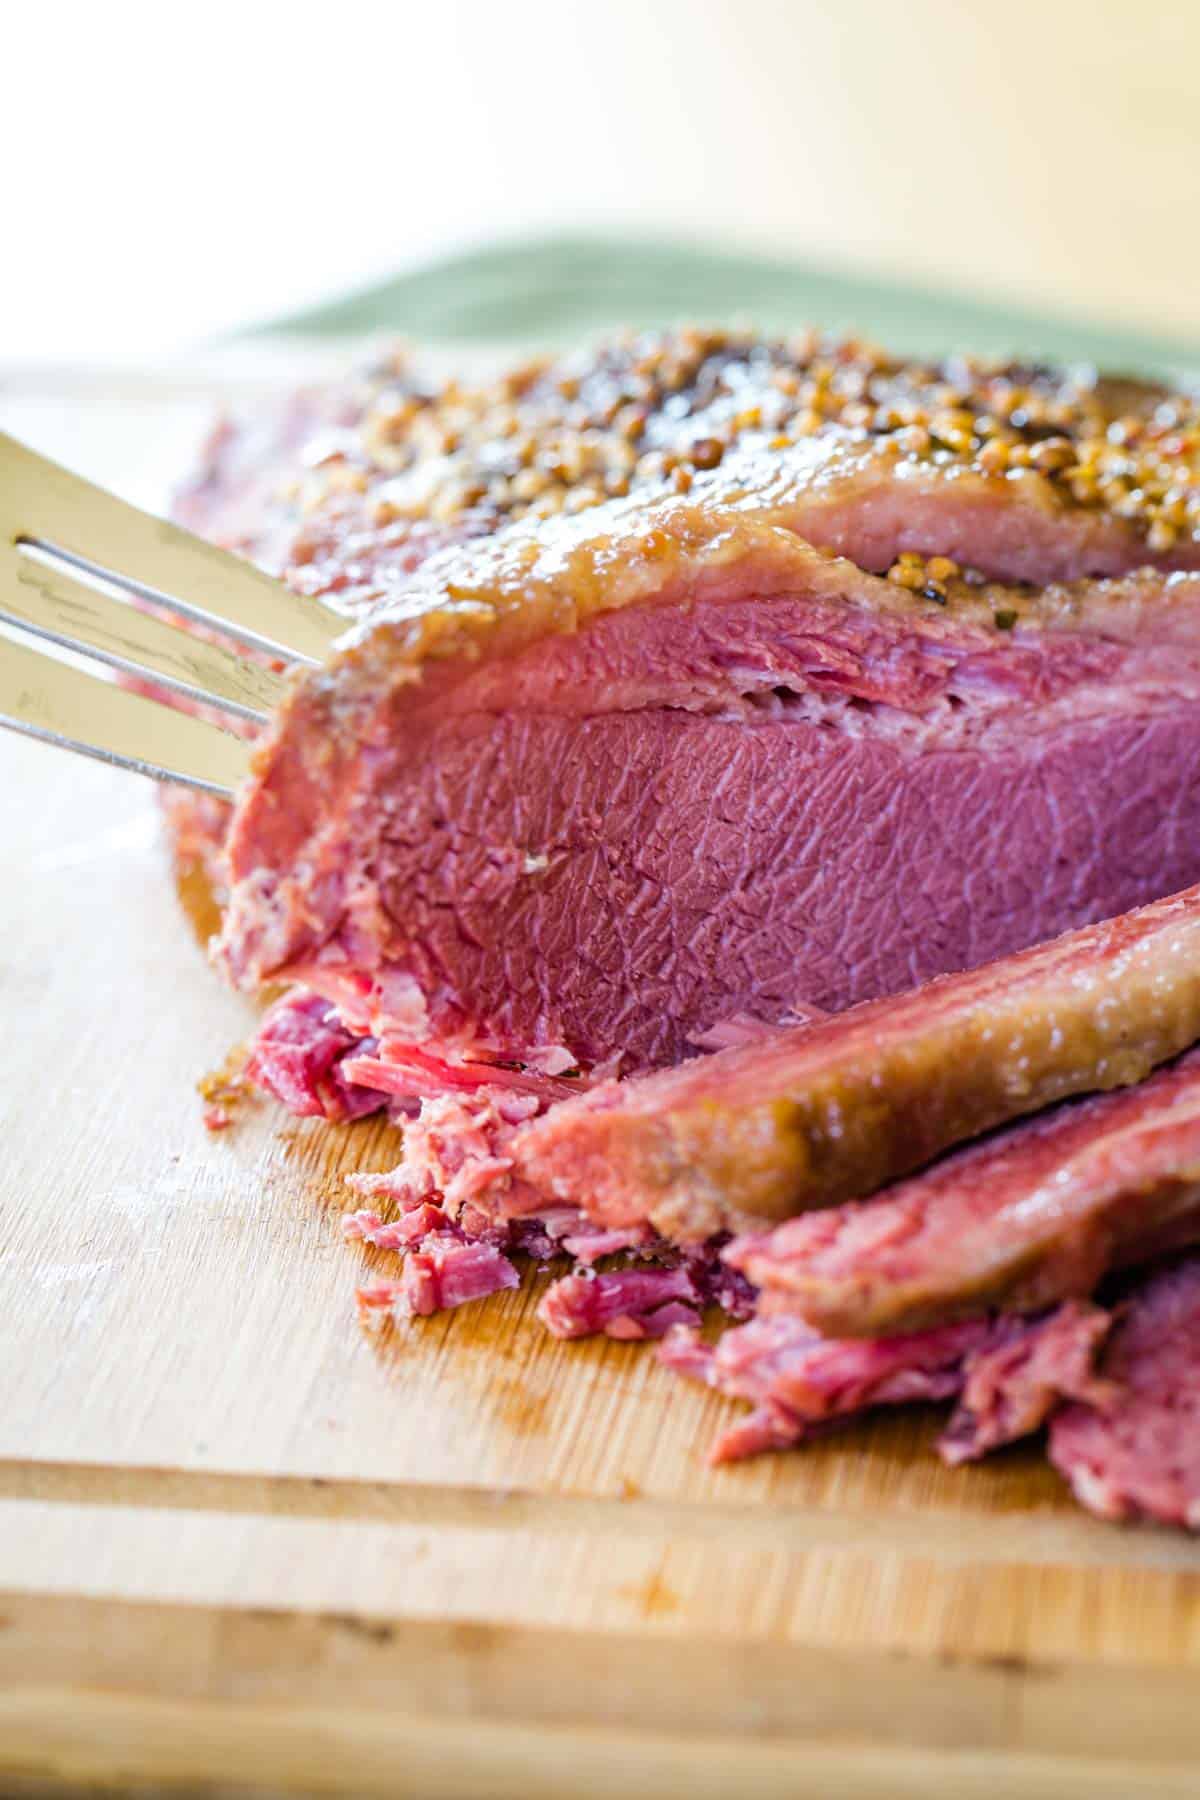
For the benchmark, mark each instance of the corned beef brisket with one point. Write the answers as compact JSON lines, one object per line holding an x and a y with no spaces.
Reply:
{"x":807,"y":1115}
{"x":694,"y":689}
{"x":942,"y":1286}
{"x":1026,"y":1217}
{"x":707,"y":677}
{"x":584,"y":792}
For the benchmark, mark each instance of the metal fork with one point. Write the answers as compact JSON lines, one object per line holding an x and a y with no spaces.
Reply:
{"x":84,"y":571}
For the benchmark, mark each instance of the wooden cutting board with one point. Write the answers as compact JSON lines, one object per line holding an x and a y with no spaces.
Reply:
{"x":244,"y":1547}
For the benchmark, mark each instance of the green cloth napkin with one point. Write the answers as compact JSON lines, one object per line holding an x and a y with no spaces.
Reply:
{"x":555,"y":290}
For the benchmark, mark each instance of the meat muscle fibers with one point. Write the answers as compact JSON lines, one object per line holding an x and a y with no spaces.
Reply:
{"x":1036,"y":1213}
{"x":1135,"y":1452}
{"x":1009,"y":1371}
{"x":811,"y":1116}
{"x":707,"y":677}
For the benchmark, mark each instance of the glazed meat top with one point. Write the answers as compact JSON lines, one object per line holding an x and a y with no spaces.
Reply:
{"x":364,"y":484}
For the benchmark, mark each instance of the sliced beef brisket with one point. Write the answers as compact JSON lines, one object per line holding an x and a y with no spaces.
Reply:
{"x":809,"y":1116}
{"x":1034,"y":1214}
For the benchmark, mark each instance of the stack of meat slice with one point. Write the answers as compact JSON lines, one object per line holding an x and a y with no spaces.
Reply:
{"x":697,"y":689}
{"x":973,"y":1279}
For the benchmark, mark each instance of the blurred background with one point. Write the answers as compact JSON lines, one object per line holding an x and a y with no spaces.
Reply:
{"x":1013,"y":173}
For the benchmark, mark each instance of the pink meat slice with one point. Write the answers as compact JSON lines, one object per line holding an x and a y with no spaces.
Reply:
{"x":798,"y":1381}
{"x":1034,"y":1214}
{"x":444,"y":1272}
{"x":808,"y":1117}
{"x":1011,"y":1389}
{"x":1134,"y":1451}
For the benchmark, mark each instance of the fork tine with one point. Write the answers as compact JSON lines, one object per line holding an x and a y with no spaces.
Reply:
{"x":46,"y":699}
{"x":51,"y":603}
{"x":160,"y":562}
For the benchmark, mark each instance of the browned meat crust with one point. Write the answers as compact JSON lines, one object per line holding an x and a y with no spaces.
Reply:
{"x":808,"y":1117}
{"x":1035,"y":1214}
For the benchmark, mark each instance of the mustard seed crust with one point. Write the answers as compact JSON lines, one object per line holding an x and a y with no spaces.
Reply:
{"x":563,"y":435}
